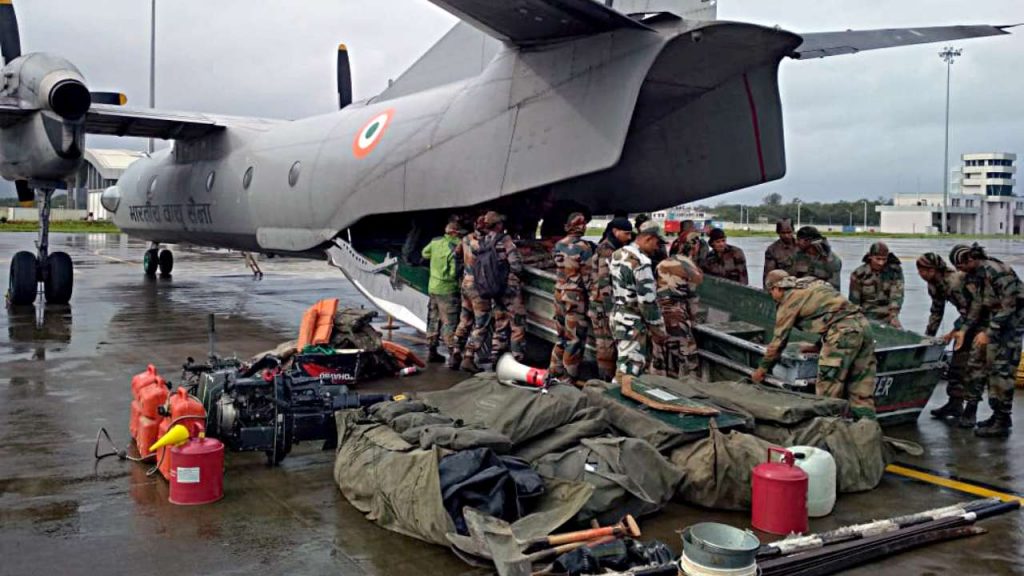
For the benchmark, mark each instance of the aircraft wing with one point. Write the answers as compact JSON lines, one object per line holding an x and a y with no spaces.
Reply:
{"x":537,"y":21}
{"x":822,"y":44}
{"x":146,"y":123}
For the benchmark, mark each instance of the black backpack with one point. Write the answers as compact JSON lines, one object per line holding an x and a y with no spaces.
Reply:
{"x":490,"y":273}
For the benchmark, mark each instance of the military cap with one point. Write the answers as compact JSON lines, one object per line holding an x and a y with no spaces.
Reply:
{"x":716,"y":234}
{"x":491,"y":218}
{"x":621,"y":223}
{"x":650,"y":227}
{"x":784,"y":225}
{"x":778,"y":279}
{"x":878,"y":249}
{"x":808,"y":233}
{"x":576,"y":220}
{"x":958,"y":254}
{"x":931,"y":260}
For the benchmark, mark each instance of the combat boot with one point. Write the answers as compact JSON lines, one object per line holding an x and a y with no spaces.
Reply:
{"x":433,"y":356}
{"x":454,"y":359}
{"x":998,"y":426}
{"x":469,"y":365}
{"x":953,"y":408}
{"x":969,"y":417}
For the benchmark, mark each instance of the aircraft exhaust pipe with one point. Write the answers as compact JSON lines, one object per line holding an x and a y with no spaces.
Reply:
{"x":69,"y":99}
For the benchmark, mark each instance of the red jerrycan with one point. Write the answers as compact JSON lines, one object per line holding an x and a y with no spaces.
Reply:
{"x":779,"y":495}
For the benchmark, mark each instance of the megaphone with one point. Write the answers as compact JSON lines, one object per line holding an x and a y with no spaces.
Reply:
{"x":512,"y":372}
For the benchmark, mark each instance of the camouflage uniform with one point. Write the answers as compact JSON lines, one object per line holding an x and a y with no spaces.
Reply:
{"x":846,"y":363}
{"x":825,"y":267}
{"x":677,"y":280}
{"x":730,"y":264}
{"x":1000,"y":299}
{"x":510,"y":309}
{"x":601,"y":303}
{"x":779,"y":256}
{"x":951,"y":287}
{"x":635,"y":315}
{"x":445,"y":300}
{"x":475,"y":317}
{"x":572,"y":290}
{"x":879,"y":294}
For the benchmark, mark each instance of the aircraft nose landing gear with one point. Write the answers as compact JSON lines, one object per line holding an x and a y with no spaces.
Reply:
{"x":157,"y":259}
{"x":55,"y":271}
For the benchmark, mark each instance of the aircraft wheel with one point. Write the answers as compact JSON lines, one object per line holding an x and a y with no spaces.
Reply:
{"x":150,"y":261}
{"x":24,"y":282}
{"x":60,"y":278}
{"x":166,"y":262}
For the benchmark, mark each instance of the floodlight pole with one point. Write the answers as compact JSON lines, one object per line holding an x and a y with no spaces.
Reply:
{"x":865,"y":215}
{"x":948,"y":54}
{"x":152,"y":62}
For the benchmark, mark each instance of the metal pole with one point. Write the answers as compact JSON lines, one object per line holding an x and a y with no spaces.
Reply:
{"x":798,"y":213}
{"x":865,"y":215}
{"x":948,"y":54}
{"x":152,"y":62}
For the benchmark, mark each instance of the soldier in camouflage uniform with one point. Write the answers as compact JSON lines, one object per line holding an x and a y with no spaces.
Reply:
{"x":725,"y":261}
{"x":620,"y":233}
{"x":948,"y":285}
{"x":636,"y":319}
{"x":703,"y":249}
{"x":678,"y":278}
{"x":510,"y":309}
{"x":443,"y":288}
{"x":815,"y":257}
{"x":471,"y":302}
{"x":846,"y":363}
{"x":877,"y":285}
{"x":1000,"y":300}
{"x":779,"y":256}
{"x":572,"y":292}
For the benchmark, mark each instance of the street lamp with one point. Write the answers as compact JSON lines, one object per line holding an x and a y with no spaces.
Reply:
{"x":865,"y":215}
{"x":851,"y":217}
{"x":797,"y":202}
{"x":152,"y":62}
{"x":948,"y":54}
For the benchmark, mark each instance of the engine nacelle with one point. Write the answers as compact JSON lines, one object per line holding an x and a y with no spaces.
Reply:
{"x":47,"y":144}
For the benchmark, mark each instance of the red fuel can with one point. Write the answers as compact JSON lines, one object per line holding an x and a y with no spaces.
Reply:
{"x":197,"y":472}
{"x":779,"y":495}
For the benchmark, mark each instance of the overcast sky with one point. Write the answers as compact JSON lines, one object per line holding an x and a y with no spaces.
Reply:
{"x":864,"y":125}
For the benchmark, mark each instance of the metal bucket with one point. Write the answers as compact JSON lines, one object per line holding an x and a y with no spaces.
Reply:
{"x":717,"y":545}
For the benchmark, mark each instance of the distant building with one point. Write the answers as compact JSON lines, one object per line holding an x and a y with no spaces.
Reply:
{"x":982,"y":201}
{"x":102,"y":168}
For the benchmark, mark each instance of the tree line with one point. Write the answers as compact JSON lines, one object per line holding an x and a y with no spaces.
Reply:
{"x":818,"y":213}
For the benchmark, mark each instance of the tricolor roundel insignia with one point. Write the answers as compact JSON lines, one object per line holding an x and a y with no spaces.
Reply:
{"x":371,"y":133}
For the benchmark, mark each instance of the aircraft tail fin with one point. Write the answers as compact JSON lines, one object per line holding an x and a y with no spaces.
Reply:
{"x":527,"y":22}
{"x":460,"y":54}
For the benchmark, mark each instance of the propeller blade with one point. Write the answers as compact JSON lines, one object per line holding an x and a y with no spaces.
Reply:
{"x":112,"y":98}
{"x":344,"y":77}
{"x":10,"y":39}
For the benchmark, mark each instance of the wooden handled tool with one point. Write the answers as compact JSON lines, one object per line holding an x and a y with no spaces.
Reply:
{"x":626,"y":527}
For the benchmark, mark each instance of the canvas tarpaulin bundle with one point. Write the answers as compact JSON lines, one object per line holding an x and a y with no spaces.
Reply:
{"x":717,"y":470}
{"x":763,"y":403}
{"x":858,"y":448}
{"x":520,"y":414}
{"x":629,"y":476}
{"x":398,"y":485}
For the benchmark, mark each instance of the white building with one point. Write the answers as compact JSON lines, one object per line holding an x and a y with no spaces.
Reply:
{"x":102,"y":168}
{"x":982,"y":201}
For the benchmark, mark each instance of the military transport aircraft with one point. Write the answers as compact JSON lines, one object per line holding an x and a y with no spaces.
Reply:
{"x":528,"y":106}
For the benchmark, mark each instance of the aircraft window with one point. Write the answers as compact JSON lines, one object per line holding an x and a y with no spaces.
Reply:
{"x":209,"y":180}
{"x":247,"y":178}
{"x":293,"y":174}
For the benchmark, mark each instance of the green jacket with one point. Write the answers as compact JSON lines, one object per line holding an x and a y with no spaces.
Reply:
{"x":444,"y":277}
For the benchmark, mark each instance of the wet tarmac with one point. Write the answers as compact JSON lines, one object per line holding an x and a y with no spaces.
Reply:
{"x":65,"y":372}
